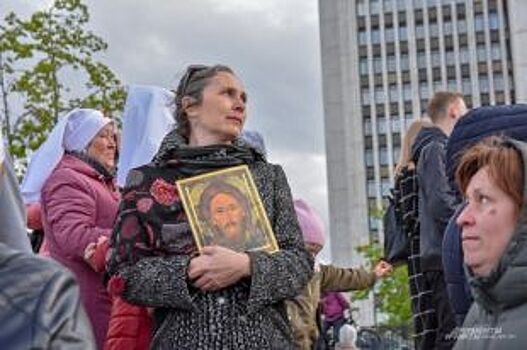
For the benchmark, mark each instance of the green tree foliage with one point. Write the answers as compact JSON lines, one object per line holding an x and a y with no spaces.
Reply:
{"x":47,"y":67}
{"x":391,"y":294}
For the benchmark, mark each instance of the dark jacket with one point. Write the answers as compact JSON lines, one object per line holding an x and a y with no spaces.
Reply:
{"x":480,"y":123}
{"x":454,"y":273}
{"x":250,"y":314}
{"x":472,"y":128}
{"x":39,"y":305}
{"x":497,"y":319}
{"x":437,"y":201}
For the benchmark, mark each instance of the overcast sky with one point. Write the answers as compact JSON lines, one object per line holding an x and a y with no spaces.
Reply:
{"x":273,"y":45}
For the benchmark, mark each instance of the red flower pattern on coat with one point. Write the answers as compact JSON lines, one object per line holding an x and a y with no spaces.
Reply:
{"x":163,"y":192}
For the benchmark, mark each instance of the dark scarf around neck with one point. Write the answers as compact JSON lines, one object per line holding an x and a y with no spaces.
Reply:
{"x":96,"y":165}
{"x":191,"y":161}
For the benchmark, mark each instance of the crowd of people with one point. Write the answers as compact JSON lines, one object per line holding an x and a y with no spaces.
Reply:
{"x":459,"y":194}
{"x":118,"y":266}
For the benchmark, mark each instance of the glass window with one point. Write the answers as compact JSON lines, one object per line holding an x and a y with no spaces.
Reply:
{"x":407,"y":92}
{"x":391,"y":63}
{"x":494,"y":22}
{"x":401,"y":4}
{"x":436,"y":58}
{"x":461,"y":26}
{"x":466,"y":87}
{"x":419,"y":31}
{"x":421,"y":60}
{"x":478,"y":23}
{"x":379,"y":95}
{"x":361,"y":8}
{"x":464,"y":56}
{"x":363,"y":38}
{"x":481,"y":53}
{"x":368,"y":155}
{"x":495,"y":51}
{"x":389,"y":35}
{"x":383,"y":156}
{"x":365,"y":96}
{"x":375,"y":7}
{"x":394,"y":96}
{"x":405,"y":63}
{"x":396,"y":124}
{"x":499,"y":84}
{"x":363,"y":65}
{"x":375,"y":36}
{"x":403,"y":33}
{"x":368,"y":132}
{"x":434,"y":29}
{"x":450,"y":57}
{"x":377,"y":65}
{"x":484,"y":84}
{"x":447,"y":28}
{"x":451,"y":85}
{"x":423,"y":90}
{"x":371,"y":190}
{"x":381,"y":125}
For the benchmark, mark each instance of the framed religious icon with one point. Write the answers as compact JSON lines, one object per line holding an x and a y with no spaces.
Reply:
{"x":224,"y":208}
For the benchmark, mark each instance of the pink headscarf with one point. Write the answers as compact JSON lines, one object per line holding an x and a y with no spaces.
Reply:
{"x":310,"y":223}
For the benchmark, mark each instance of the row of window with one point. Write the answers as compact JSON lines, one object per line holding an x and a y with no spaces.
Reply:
{"x":464,"y":56}
{"x":433,"y":30}
{"x":383,"y":126}
{"x":393,"y":95}
{"x":433,"y":44}
{"x":376,"y":6}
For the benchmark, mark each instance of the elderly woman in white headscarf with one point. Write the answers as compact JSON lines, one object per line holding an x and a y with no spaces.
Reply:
{"x":71,"y":175}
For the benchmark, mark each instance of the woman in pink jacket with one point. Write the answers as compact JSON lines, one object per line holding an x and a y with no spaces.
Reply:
{"x":72,"y":177}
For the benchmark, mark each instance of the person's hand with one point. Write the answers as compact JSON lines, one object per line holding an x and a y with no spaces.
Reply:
{"x":218,"y":267}
{"x":382,"y":269}
{"x":89,"y":251}
{"x":95,"y":253}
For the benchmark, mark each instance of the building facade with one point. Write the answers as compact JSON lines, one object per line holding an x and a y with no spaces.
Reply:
{"x":381,"y":62}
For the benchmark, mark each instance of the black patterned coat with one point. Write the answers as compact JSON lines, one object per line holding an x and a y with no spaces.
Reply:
{"x":248,"y":315}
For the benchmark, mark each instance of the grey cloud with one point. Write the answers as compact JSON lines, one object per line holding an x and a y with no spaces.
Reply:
{"x":273,"y":45}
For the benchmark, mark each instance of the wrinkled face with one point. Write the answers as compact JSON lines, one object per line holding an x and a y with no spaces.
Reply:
{"x":221,"y":115}
{"x":487,"y":222}
{"x":228,"y":215}
{"x":103,"y":147}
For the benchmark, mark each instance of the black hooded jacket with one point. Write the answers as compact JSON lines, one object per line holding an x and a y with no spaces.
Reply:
{"x":437,"y":201}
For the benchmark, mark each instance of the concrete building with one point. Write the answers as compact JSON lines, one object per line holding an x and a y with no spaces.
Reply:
{"x":381,"y":62}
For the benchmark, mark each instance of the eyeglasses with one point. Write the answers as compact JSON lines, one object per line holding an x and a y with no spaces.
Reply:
{"x":191,"y":70}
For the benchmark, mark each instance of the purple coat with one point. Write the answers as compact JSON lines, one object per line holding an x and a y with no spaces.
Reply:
{"x":333,"y":305}
{"x":78,"y":207}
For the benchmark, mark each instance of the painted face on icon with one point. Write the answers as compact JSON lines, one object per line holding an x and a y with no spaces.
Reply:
{"x":228,"y":215}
